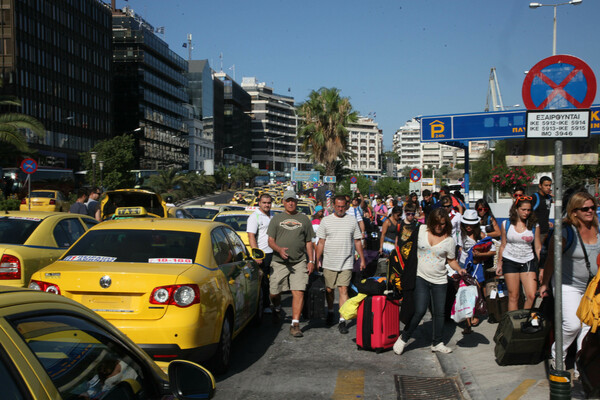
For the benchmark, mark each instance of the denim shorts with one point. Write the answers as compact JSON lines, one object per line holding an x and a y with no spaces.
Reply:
{"x":513,"y":267}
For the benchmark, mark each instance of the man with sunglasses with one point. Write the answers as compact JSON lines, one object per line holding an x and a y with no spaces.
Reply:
{"x":290,"y":236}
{"x":93,"y":205}
{"x":542,"y":201}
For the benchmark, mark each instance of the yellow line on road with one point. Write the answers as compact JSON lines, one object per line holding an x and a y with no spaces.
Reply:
{"x":521,"y":389}
{"x":350,"y":384}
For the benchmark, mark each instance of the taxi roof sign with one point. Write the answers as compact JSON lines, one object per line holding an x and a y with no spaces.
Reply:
{"x":131,"y":212}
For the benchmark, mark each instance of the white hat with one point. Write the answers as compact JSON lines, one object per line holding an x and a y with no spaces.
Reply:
{"x":470,"y":217}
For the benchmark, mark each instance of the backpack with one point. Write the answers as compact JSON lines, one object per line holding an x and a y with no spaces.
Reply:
{"x":546,"y":243}
{"x":589,"y":307}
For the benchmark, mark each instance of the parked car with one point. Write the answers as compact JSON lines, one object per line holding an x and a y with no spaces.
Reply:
{"x":45,"y":200}
{"x":152,"y":202}
{"x":30,"y":240}
{"x":54,"y":348}
{"x":178,"y":288}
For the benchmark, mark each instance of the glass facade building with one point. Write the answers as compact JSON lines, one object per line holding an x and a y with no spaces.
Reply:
{"x":149,"y":93}
{"x":55,"y":57}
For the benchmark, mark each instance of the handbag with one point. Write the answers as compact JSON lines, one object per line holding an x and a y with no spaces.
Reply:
{"x":589,"y":307}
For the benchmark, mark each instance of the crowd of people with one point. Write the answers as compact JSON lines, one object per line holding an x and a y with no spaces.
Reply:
{"x":446,"y":237}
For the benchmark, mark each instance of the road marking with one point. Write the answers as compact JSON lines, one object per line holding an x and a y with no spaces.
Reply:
{"x":350,"y":384}
{"x":521,"y":389}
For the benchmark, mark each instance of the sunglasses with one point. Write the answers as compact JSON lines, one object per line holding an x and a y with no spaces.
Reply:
{"x":522,"y":198}
{"x":447,"y":206}
{"x":407,"y":214}
{"x":586,"y":209}
{"x":482,"y":209}
{"x":517,"y":195}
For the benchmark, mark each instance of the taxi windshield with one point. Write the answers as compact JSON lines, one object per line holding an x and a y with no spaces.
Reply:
{"x":237,"y":222}
{"x":203,"y":213}
{"x":47,"y":195}
{"x":16,"y":230}
{"x":130,"y":245}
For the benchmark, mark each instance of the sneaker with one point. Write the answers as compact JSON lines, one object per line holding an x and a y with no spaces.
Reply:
{"x":440,"y":348}
{"x":575,"y":374}
{"x":399,"y":346}
{"x":295,"y":331}
{"x":330,"y":319}
{"x":552,"y":363}
{"x":342,"y":327}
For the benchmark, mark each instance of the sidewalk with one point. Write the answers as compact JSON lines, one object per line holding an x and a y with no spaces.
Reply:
{"x":474,"y":363}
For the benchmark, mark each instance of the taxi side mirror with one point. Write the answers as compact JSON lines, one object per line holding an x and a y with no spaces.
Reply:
{"x":258,"y":254}
{"x":190,"y":381}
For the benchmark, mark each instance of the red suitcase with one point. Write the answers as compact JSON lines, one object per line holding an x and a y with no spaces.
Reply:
{"x":378,"y":323}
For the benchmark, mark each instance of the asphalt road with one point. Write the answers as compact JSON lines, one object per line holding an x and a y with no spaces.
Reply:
{"x":267,"y":363}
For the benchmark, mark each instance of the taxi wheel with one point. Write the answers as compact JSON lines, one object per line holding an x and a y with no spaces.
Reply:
{"x":220,"y":361}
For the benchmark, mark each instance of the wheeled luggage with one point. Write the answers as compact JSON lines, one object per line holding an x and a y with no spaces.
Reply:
{"x":314,"y":297}
{"x":521,"y":338}
{"x":378,"y":323}
{"x":588,"y":364}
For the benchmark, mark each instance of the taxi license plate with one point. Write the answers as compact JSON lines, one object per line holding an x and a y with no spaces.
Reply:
{"x":37,"y":203}
{"x":117,"y":302}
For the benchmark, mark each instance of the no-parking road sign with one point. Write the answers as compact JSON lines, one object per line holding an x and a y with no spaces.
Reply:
{"x":415,"y":175}
{"x":29,"y":165}
{"x":559,"y":82}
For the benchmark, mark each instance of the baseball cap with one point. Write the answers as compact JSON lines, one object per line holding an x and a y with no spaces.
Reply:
{"x":318,"y":208}
{"x":289,"y":194}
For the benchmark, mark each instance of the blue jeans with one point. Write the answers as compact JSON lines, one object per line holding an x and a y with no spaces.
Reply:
{"x":426,"y":292}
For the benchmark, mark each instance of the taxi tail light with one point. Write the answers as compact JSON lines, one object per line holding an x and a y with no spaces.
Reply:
{"x":10,"y":267}
{"x":177,"y":295}
{"x":52,"y":202}
{"x":23,"y":200}
{"x":44,"y":286}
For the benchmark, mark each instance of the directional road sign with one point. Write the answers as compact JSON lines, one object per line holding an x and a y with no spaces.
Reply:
{"x":559,"y":82}
{"x":29,"y":165}
{"x":415,"y":175}
{"x":312,"y":176}
{"x":329,"y":179}
{"x":328,"y":193}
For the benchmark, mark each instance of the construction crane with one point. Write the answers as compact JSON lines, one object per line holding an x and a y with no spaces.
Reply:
{"x":494,"y":93}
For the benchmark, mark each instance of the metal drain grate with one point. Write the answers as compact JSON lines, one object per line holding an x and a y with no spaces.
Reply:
{"x":416,"y":387}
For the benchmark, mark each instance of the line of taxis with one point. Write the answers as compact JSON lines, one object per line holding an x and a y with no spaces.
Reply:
{"x":179,"y":288}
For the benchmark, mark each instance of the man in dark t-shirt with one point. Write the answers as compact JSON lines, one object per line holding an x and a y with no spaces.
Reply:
{"x":542,"y":201}
{"x":79,"y":206}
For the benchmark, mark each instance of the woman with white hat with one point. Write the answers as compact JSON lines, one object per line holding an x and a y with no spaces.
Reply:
{"x":472,"y":258}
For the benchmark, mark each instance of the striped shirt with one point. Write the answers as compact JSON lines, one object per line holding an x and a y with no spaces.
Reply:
{"x":339,"y":234}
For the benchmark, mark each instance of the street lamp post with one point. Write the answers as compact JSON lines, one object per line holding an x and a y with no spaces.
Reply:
{"x":558,"y":152}
{"x":536,"y":5}
{"x":93,"y":154}
{"x":101,"y":165}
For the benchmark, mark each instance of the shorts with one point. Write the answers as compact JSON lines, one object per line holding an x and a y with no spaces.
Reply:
{"x":337,"y":278}
{"x":286,"y":277}
{"x":513,"y":267}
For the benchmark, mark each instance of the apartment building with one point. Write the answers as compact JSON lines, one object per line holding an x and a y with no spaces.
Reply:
{"x":366,"y":144}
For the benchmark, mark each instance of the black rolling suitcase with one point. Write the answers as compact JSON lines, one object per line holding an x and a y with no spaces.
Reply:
{"x":588,"y":364}
{"x":521,"y":338}
{"x":314,"y":297}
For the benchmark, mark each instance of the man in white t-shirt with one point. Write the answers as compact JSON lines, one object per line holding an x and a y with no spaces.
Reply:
{"x":256,"y":228}
{"x":339,"y":234}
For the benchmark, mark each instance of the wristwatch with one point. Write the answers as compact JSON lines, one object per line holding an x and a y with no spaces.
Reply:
{"x":310,"y":261}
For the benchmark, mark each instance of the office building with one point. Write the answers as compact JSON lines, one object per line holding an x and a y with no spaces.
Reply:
{"x":55,"y":57}
{"x":274,"y":127}
{"x":201,"y":112}
{"x":149,"y":93}
{"x":366,"y":142}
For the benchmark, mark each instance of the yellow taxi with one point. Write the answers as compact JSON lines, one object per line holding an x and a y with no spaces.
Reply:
{"x":306,"y":208}
{"x":45,"y":200}
{"x":152,"y":202}
{"x":208,"y":210}
{"x":178,"y":212}
{"x":54,"y":348}
{"x":178,"y":288}
{"x":237,"y":220}
{"x":30,"y":240}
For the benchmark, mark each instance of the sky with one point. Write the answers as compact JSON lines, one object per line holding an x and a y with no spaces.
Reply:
{"x":395,"y":59}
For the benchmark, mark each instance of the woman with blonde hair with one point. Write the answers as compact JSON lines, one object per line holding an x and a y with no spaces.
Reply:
{"x":580,"y":249}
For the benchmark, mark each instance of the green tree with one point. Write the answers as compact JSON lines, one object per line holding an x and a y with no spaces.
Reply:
{"x":362,"y":183}
{"x":166,"y":181}
{"x":325,"y":116}
{"x":12,"y":124}
{"x":119,"y":158}
{"x":388,"y":186}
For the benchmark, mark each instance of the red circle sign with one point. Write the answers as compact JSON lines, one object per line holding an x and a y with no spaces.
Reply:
{"x":29,"y":165}
{"x":415,"y":175}
{"x":559,"y":81}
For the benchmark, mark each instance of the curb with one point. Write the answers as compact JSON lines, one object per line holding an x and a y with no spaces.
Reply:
{"x":471,"y":389}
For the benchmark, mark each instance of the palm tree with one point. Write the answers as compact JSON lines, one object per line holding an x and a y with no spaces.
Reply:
{"x":12,"y":124}
{"x":166,"y":180}
{"x":325,"y":116}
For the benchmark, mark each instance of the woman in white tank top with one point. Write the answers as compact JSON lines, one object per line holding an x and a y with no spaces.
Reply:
{"x":518,"y":252}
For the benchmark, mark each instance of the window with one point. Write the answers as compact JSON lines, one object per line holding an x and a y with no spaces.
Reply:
{"x":221,"y":249}
{"x":239,"y":248}
{"x":67,"y":232}
{"x":82,"y":359}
